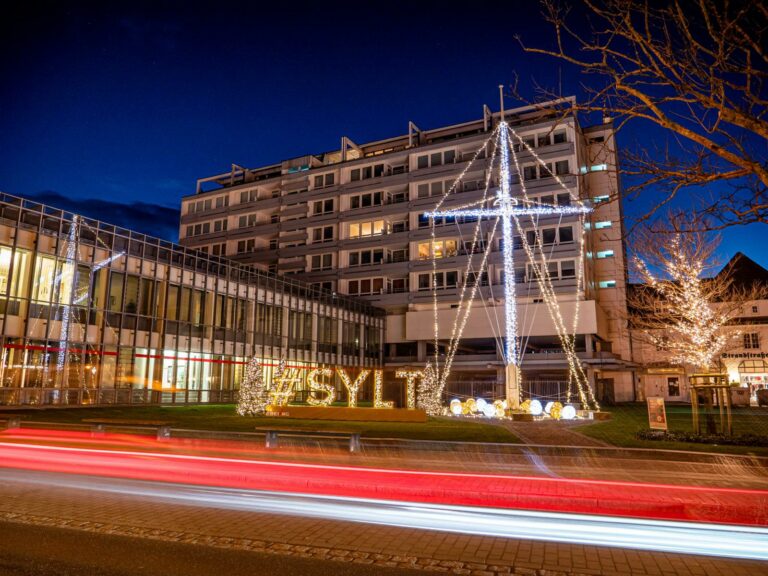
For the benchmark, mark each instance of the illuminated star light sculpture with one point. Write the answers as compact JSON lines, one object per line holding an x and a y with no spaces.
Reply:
{"x":507,"y":208}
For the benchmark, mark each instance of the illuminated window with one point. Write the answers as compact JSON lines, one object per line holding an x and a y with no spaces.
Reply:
{"x":605,"y":254}
{"x":442,"y":249}
{"x":607,"y":284}
{"x":602,"y":224}
{"x":598,"y":168}
{"x":598,"y":199}
{"x":360,"y":229}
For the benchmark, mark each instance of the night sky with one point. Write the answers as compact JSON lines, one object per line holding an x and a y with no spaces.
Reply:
{"x":114,"y":110}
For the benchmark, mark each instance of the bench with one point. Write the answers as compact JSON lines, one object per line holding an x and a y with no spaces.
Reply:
{"x":273,"y":432}
{"x":98,"y":425}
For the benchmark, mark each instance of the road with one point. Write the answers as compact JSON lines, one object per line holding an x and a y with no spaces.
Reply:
{"x":116,"y":526}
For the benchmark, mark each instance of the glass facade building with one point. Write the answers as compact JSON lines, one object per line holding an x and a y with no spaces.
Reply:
{"x":91,"y":313}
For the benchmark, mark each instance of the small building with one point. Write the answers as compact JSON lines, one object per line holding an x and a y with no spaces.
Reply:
{"x":745,"y":360}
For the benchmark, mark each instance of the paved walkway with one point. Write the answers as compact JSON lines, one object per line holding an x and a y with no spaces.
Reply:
{"x":37,"y":504}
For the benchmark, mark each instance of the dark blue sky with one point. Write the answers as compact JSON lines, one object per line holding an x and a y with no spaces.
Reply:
{"x":131,"y":103}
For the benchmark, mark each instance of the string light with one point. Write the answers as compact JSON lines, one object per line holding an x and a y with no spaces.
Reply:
{"x":410,"y":385}
{"x":281,"y":391}
{"x":353,"y":387}
{"x":325,"y":388}
{"x":430,"y":392}
{"x":252,"y":397}
{"x":508,"y":211}
{"x":378,"y":392}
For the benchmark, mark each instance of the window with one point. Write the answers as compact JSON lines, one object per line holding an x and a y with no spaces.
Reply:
{"x":548,"y":235}
{"x":246,"y":246}
{"x":436,"y":159}
{"x":366,"y":172}
{"x":441,"y":280}
{"x":322,"y":262}
{"x":220,"y":226}
{"x":366,"y":257}
{"x":323,"y":180}
{"x":529,"y":172}
{"x":752,"y":340}
{"x":248,"y":196}
{"x":602,"y":224}
{"x":673,"y":386}
{"x":327,"y":285}
{"x":754,"y":309}
{"x":322,"y":206}
{"x":564,"y":199}
{"x":437,"y":188}
{"x":366,"y":200}
{"x":568,"y":269}
{"x":562,"y":167}
{"x":273,"y":244}
{"x":566,"y":234}
{"x":366,"y":286}
{"x":441,"y":249}
{"x":543,"y":139}
{"x":399,"y":227}
{"x":598,"y":168}
{"x":222,"y":201}
{"x":361,"y":229}
{"x":598,"y":199}
{"x":219,"y":249}
{"x":424,"y":221}
{"x":399,"y":285}
{"x":246,"y":220}
{"x":324,"y":234}
{"x":605,"y":254}
{"x":559,"y":137}
{"x":607,"y":284}
{"x":596,"y":139}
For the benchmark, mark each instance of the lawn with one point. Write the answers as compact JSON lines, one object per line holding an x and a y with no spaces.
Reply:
{"x":627,"y":419}
{"x":223,"y":417}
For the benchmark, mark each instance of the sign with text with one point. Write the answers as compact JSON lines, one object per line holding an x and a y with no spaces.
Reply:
{"x":657,"y":413}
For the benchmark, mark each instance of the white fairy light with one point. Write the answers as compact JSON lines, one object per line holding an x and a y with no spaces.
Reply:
{"x":316,"y":386}
{"x":252,"y":396}
{"x":283,"y":382}
{"x":378,"y":392}
{"x":410,"y":385}
{"x":568,"y":413}
{"x":352,"y":387}
{"x":430,"y":392}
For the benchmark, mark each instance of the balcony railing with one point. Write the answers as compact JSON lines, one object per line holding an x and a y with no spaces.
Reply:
{"x":111,"y":396}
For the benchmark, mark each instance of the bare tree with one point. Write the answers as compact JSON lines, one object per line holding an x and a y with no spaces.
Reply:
{"x":681,"y":307}
{"x":695,"y":68}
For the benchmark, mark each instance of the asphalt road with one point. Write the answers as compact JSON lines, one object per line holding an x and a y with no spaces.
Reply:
{"x":36,"y":550}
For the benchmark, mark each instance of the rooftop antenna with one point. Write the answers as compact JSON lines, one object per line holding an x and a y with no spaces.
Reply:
{"x":501,"y":101}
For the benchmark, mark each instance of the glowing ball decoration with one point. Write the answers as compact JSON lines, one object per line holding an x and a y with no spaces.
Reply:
{"x":489,"y":410}
{"x":470,"y":405}
{"x":568,"y":413}
{"x":526,"y":405}
{"x":456,"y":407}
{"x":556,"y":411}
{"x":548,"y":407}
{"x":536,"y":408}
{"x":500,"y":408}
{"x":481,"y":404}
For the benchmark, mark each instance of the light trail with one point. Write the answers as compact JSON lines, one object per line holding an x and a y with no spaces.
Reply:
{"x":584,"y":529}
{"x":607,"y":497}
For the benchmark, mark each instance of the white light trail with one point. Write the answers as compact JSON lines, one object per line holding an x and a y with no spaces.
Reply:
{"x":580,"y":529}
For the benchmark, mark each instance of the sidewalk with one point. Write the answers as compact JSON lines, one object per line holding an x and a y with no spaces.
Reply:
{"x":23,"y":501}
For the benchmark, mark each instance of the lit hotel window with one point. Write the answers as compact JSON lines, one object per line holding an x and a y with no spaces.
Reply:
{"x":605,"y":254}
{"x":607,"y":284}
{"x":602,"y":224}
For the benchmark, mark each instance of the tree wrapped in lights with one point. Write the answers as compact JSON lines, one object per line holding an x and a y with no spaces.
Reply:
{"x":681,"y":308}
{"x":253,"y":390}
{"x":429,"y":393}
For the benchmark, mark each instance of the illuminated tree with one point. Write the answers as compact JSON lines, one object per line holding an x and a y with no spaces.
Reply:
{"x":696,"y":69}
{"x":253,"y":390}
{"x":681,"y":307}
{"x":429,"y":393}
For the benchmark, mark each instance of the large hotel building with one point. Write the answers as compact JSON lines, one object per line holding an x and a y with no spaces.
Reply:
{"x":351,"y":222}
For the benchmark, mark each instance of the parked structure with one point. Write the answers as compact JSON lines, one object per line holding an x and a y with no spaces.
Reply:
{"x":351,"y":222}
{"x":92,"y":313}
